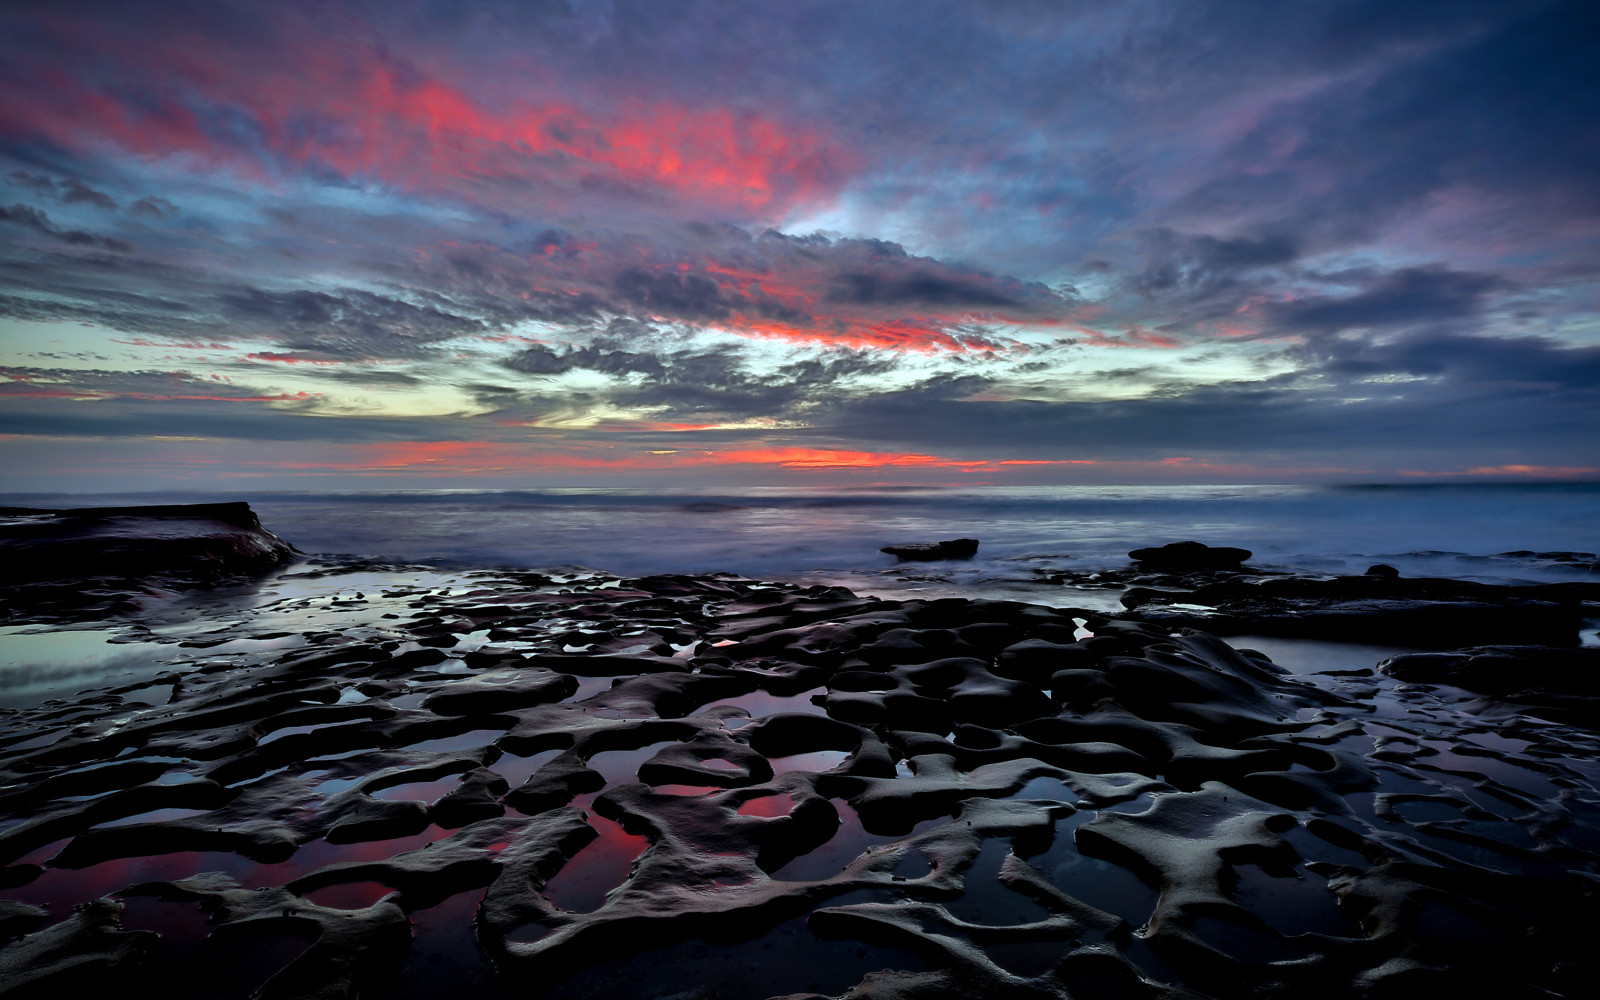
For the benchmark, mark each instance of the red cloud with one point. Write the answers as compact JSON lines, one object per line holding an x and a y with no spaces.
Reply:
{"x":317,"y":99}
{"x":290,"y":359}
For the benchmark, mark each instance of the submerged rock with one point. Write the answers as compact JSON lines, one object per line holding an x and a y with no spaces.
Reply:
{"x":1190,"y":555}
{"x":168,"y":544}
{"x":954,"y":548}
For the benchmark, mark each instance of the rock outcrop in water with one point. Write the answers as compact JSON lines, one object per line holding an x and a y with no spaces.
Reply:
{"x":1190,"y":555}
{"x":659,"y":788}
{"x":52,"y":555}
{"x":953,"y":548}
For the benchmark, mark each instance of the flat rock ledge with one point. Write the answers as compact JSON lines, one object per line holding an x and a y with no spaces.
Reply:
{"x":953,"y":548}
{"x":1562,"y":682}
{"x":172,"y":545}
{"x":1421,"y":613}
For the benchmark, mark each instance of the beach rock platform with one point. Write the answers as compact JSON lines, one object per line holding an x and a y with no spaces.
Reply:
{"x":515,"y":784}
{"x":70,"y":557}
{"x":1554,"y":679}
{"x":1372,"y":608}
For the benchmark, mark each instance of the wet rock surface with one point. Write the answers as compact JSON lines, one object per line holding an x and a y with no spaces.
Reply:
{"x":952,"y":548}
{"x":522,"y":784}
{"x":1556,"y":679}
{"x":84,"y":556}
{"x":1375,"y":608}
{"x":1190,"y":555}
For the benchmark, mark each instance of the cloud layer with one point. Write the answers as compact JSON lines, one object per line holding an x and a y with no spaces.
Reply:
{"x":1144,"y":240}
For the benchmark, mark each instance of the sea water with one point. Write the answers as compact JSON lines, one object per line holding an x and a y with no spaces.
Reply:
{"x":831,"y":535}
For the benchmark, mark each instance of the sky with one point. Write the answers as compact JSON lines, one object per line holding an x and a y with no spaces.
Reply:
{"x":380,"y":245}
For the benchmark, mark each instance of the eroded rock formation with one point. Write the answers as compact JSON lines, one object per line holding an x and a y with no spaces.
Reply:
{"x":662,"y":787}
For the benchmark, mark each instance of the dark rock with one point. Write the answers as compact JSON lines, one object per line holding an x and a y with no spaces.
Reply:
{"x":87,"y":951}
{"x":1529,"y":674}
{"x":1384,"y":570}
{"x":555,"y":784}
{"x":347,"y":946}
{"x":17,"y":919}
{"x":1422,"y":613}
{"x":477,"y":798}
{"x":500,"y":691}
{"x":172,"y":545}
{"x":1035,"y":659}
{"x":954,"y":548}
{"x":1251,"y":824}
{"x":1190,"y":555}
{"x":683,"y":763}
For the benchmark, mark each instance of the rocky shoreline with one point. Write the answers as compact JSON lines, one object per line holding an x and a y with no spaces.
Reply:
{"x":568,"y":785}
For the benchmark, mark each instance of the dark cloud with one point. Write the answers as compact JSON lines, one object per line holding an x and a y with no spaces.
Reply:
{"x":71,"y":191}
{"x":31,"y":218}
{"x":76,"y":192}
{"x":919,"y":288}
{"x":28,"y":216}
{"x":825,"y":371}
{"x":1370,"y":426}
{"x":1200,"y":268}
{"x":349,"y":323}
{"x":542,"y":361}
{"x":1219,"y":254}
{"x":1493,"y":104}
{"x":539,"y":361}
{"x":152,"y":207}
{"x":673,"y":295}
{"x":1529,"y":362}
{"x":698,"y":382}
{"x":244,"y":420}
{"x":32,"y":181}
{"x":1410,"y":295}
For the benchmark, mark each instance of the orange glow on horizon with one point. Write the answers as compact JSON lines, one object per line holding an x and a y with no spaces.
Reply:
{"x":220,"y":458}
{"x":822,"y":458}
{"x":465,"y":458}
{"x":1533,"y":471}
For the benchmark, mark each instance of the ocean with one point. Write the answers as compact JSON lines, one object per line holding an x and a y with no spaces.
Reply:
{"x":832,"y":536}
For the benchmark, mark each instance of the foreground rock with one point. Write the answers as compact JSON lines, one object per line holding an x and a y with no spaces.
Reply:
{"x":1374,"y":608}
{"x":168,"y":545}
{"x":655,"y":789}
{"x":954,"y":548}
{"x":1190,"y":555}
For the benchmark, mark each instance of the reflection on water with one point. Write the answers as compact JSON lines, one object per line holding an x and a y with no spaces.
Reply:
{"x":845,"y":846}
{"x":583,"y":882}
{"x":827,"y":535}
{"x":37,"y":664}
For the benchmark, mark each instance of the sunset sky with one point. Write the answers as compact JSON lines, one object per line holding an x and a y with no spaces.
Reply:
{"x":379,"y":245}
